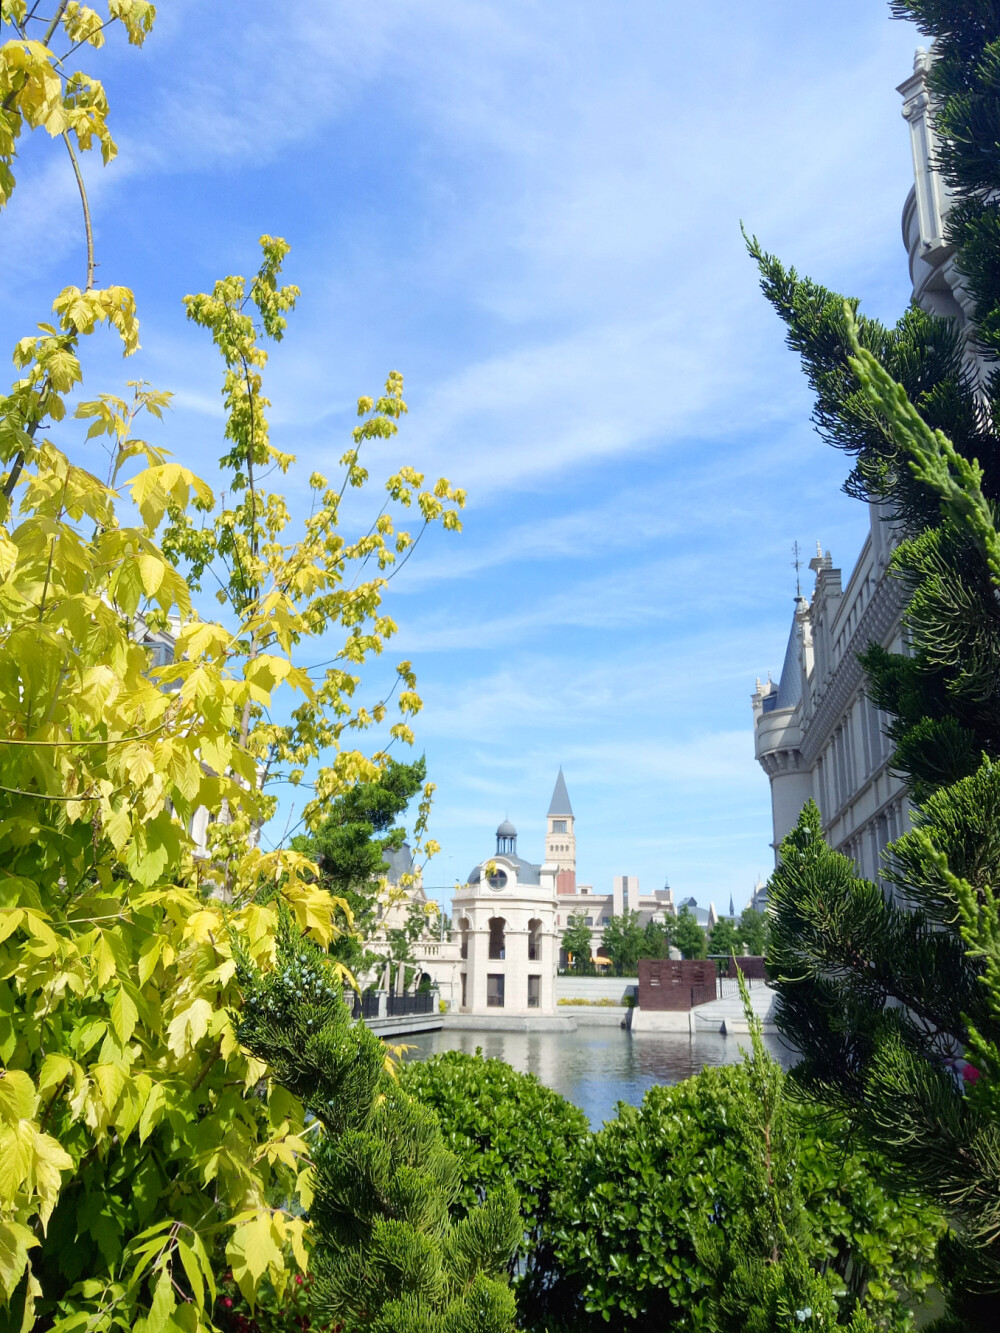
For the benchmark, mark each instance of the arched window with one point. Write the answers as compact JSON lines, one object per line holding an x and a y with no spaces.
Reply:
{"x":463,"y":927}
{"x":534,"y":940}
{"x":498,"y":941}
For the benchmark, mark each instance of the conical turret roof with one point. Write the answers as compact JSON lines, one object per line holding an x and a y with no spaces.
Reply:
{"x":559,"y":805}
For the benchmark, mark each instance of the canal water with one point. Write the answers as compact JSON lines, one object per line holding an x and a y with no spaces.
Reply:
{"x":596,"y":1067}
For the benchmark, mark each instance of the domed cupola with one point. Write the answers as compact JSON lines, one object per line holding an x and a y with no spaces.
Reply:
{"x":506,"y":839}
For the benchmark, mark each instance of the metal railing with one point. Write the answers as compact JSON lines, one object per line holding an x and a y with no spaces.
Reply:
{"x":366,"y":1006}
{"x":399,"y":1006}
{"x":728,"y":985}
{"x":394,"y":1006}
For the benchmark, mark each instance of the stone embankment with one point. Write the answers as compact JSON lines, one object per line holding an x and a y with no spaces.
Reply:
{"x":723,"y":1016}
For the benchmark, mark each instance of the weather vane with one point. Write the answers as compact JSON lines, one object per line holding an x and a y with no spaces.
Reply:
{"x":797,"y":565}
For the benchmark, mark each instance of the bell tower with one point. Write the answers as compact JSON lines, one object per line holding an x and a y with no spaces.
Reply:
{"x":560,"y":839}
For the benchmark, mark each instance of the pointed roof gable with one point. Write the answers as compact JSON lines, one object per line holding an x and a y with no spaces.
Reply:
{"x":790,"y":681}
{"x":559,"y":805}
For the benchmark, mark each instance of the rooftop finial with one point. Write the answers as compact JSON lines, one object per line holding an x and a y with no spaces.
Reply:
{"x":797,"y":565}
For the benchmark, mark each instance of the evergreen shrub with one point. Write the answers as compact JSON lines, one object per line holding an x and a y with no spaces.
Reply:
{"x":502,"y":1126}
{"x":660,"y":1224}
{"x":389,"y":1251}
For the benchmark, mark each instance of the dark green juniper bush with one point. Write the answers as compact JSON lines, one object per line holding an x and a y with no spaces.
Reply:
{"x":386,"y":1253}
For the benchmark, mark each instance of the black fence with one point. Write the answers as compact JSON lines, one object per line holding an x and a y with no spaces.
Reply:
{"x":399,"y":1006}
{"x":396,"y":1006}
{"x":752,"y":967}
{"x":366,"y":1006}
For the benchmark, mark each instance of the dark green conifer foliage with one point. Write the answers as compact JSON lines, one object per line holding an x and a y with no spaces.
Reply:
{"x":882,"y":989}
{"x":943,"y":700}
{"x":351,"y":843}
{"x":350,"y":847}
{"x":386,"y":1255}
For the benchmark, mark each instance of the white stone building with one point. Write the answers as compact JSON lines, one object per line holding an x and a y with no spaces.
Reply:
{"x":504,"y":919}
{"x":509,"y":918}
{"x":815,"y":732}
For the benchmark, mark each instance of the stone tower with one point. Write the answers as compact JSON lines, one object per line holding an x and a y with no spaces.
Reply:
{"x":560,"y":839}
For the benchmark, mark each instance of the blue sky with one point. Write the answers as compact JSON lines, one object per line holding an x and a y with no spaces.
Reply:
{"x":531,"y":208}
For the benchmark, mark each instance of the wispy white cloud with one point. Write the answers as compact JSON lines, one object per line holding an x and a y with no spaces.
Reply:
{"x":533,"y":210}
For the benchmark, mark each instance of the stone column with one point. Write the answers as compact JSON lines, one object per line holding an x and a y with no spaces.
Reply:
{"x":479,"y":965}
{"x":548,"y":946}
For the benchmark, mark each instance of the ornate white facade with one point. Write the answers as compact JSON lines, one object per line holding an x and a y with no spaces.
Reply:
{"x":509,"y":918}
{"x":504,"y":920}
{"x":815,"y":732}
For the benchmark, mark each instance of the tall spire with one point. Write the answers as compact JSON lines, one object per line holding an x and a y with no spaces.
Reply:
{"x":559,"y":805}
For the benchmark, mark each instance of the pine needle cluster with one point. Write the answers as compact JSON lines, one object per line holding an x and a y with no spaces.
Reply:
{"x":892,"y":991}
{"x":386,"y":1255}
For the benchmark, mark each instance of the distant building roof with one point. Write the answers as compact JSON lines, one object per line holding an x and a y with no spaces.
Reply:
{"x":700,"y":914}
{"x":400,"y":863}
{"x":758,"y":899}
{"x":790,"y":681}
{"x":526,"y":872}
{"x":559,"y":805}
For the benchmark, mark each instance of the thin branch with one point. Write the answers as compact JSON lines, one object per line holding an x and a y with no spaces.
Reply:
{"x":86,"y":211}
{"x":44,"y":796}
{"x":18,"y":464}
{"x":413,"y":546}
{"x":56,"y":19}
{"x":120,"y":740}
{"x":85,"y":40}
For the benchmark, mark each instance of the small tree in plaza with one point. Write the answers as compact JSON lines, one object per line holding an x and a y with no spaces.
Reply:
{"x":753,"y":930}
{"x":689,"y":937}
{"x":657,"y":937}
{"x":622,"y":940}
{"x":724,"y":938}
{"x":576,"y":940}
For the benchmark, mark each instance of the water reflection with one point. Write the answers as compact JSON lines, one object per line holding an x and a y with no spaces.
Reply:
{"x":596,"y":1067}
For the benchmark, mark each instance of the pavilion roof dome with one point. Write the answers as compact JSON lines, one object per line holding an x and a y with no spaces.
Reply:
{"x":527,"y":872}
{"x":506,"y":830}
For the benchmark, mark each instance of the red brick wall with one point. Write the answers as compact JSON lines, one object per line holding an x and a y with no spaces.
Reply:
{"x":566,"y":881}
{"x":751,"y":965}
{"x":668,"y":983}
